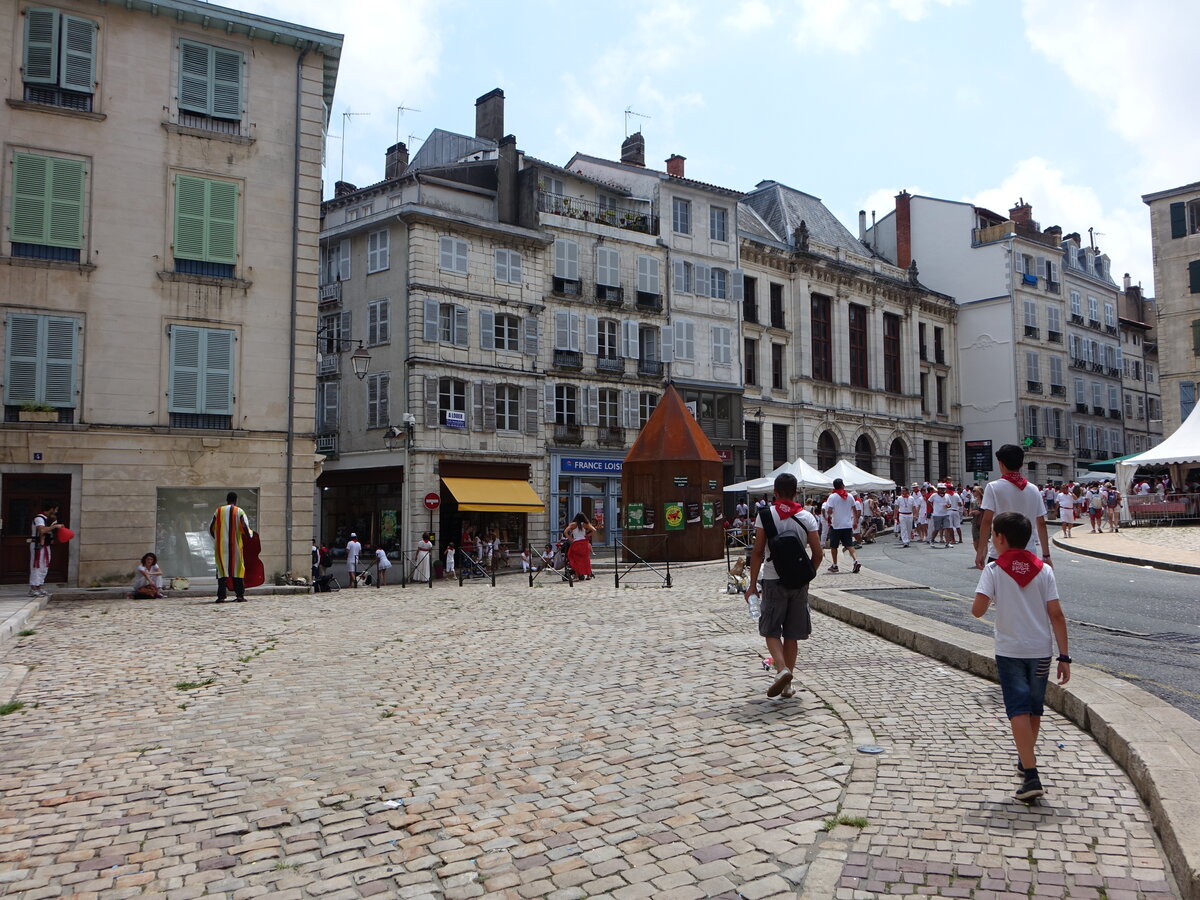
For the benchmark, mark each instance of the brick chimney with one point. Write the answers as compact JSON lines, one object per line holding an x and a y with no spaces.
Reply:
{"x":675,"y":165}
{"x":903,"y":230}
{"x":507,"y":166}
{"x":1127,"y":282}
{"x":1054,"y":232}
{"x":633,"y":150}
{"x":1022,"y":213}
{"x":395,"y":161}
{"x":489,"y":116}
{"x":342,"y":188}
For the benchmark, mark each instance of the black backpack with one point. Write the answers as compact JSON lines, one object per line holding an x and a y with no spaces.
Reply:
{"x":787,"y":553}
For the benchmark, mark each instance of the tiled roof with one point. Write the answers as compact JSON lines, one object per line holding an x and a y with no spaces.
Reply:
{"x":599,"y":182}
{"x":658,"y":173}
{"x":783,"y":209}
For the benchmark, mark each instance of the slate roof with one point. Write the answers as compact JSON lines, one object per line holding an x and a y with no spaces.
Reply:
{"x":444,"y":147}
{"x":782,"y":209}
{"x":751,"y":224}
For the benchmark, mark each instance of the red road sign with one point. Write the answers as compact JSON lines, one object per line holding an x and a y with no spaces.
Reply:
{"x":432,"y":501}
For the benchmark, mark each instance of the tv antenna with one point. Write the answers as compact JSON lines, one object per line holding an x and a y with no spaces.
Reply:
{"x":629,"y":112}
{"x":346,"y":116}
{"x":401,"y":110}
{"x":1092,"y":235}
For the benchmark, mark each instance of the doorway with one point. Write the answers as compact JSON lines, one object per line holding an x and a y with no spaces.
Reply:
{"x":25,"y":496}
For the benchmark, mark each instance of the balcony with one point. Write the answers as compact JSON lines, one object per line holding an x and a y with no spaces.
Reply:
{"x":568,"y":359}
{"x":1098,"y":368}
{"x":1114,"y":414}
{"x":1052,"y":287}
{"x":750,"y":311}
{"x":329,"y":295}
{"x":650,"y":367}
{"x":610,"y":365}
{"x":327,"y":444}
{"x":1036,"y":441}
{"x":1112,"y":371}
{"x":612,"y":436}
{"x":939,"y":356}
{"x":1094,"y":323}
{"x":330,"y":364}
{"x":650,"y":302}
{"x":1083,"y":453}
{"x":1077,"y":363}
{"x":1076,"y":319}
{"x":568,"y":287}
{"x":590,"y":211}
{"x":568,"y":434}
{"x":1033,"y":387}
{"x":1062,"y":444}
{"x":607,"y":293}
{"x":1111,"y":329}
{"x":1054,"y":337}
{"x":1081,"y":408}
{"x":1098,"y":411}
{"x":1032,"y":331}
{"x":1101,"y":454}
{"x":1058,"y":390}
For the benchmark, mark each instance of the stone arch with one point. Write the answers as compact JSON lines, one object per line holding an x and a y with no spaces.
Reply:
{"x":864,"y":453}
{"x":898,"y":462}
{"x":827,"y":450}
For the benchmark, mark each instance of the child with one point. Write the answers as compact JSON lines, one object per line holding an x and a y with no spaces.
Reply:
{"x":548,"y":557}
{"x":1027,"y":610}
{"x":382,"y":563}
{"x":450,"y":560}
{"x":526,"y":559}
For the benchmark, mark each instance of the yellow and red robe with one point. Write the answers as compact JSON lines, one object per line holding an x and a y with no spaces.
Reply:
{"x":229,"y":526}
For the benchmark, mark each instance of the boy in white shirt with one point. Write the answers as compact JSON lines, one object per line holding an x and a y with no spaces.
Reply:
{"x":1011,"y":493}
{"x":1028,"y":611}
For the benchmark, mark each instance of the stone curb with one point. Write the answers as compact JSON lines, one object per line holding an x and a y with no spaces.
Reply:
{"x":1156,"y":744}
{"x":122,"y":593}
{"x":16,"y":622}
{"x":1131,"y":560}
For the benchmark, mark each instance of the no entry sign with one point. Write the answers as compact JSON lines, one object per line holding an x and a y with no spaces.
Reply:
{"x":432,"y":501}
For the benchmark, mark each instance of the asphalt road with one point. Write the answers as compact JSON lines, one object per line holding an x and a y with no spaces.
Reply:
{"x":1137,"y":623}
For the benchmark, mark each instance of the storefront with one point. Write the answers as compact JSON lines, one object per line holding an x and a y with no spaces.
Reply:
{"x":366,"y":502}
{"x":590,"y":485}
{"x":486,"y":500}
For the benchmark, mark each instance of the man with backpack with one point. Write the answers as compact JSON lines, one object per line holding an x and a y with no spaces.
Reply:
{"x":779,"y":560}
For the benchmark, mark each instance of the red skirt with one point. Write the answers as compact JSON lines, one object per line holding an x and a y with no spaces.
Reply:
{"x":579,"y":557}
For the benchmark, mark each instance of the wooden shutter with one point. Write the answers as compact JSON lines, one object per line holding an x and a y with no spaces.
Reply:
{"x":384,"y":321}
{"x":629,"y":407}
{"x":477,"y":406}
{"x":226,"y":84}
{"x":77,"y":65}
{"x":680,"y":268}
{"x":431,"y":401}
{"x":432,"y":323}
{"x":66,"y":203}
{"x":1041,"y":267}
{"x":549,"y":403}
{"x":562,"y":333}
{"x":591,"y":340}
{"x":573,"y":328}
{"x":1018,"y":263}
{"x":737,"y":285}
{"x":185,"y":370}
{"x":59,"y":362}
{"x":514,"y":267}
{"x":21,"y":358}
{"x":703,"y":276}
{"x":1196,"y":337}
{"x":31,"y":186}
{"x":502,"y":265}
{"x":489,"y":406}
{"x":608,"y":267}
{"x":1194,"y":276}
{"x":666,"y":344}
{"x":461,"y":327}
{"x":343,"y":263}
{"x":592,"y":406}
{"x":531,"y":407}
{"x":446,"y":253}
{"x":329,"y":406}
{"x":629,"y":339}
{"x":218,"y":371}
{"x":531,"y":335}
{"x":41,"y":46}
{"x":1178,"y":217}
{"x":190,"y":217}
{"x":222,"y":214}
{"x":195,"y":77}
{"x":487,"y":328}
{"x":383,"y":414}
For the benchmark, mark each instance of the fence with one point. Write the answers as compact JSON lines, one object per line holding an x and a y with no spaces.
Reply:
{"x":622,"y":569}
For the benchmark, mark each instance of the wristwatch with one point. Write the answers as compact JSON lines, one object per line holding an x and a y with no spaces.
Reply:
{"x":1062,"y":657}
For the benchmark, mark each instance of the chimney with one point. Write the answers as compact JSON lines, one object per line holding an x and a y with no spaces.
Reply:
{"x":342,"y":188}
{"x":489,"y":116}
{"x":633,"y":150}
{"x":1054,"y":232}
{"x":675,"y":165}
{"x":1128,"y":282}
{"x":903,"y":230}
{"x":862,"y":225}
{"x":506,"y":180}
{"x":1022,"y":213}
{"x":395,"y":161}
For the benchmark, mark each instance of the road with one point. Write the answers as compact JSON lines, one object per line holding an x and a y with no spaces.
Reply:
{"x":1138,"y":623}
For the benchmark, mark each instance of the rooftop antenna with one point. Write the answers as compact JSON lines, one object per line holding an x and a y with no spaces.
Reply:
{"x":412,"y":138}
{"x":346,"y":116}
{"x":1092,"y":235}
{"x":629,"y":112}
{"x":401,"y":110}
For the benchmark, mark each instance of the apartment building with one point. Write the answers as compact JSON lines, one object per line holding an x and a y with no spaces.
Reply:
{"x":1175,"y":235}
{"x":1139,"y":369}
{"x":845,"y":354}
{"x":158,"y":263}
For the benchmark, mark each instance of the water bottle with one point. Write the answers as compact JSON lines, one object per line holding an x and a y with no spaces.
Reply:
{"x":755,"y":607}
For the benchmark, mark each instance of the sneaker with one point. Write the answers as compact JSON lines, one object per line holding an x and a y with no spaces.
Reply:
{"x":782,"y":680}
{"x":832,"y":569}
{"x":857,"y":568}
{"x":1030,"y":788}
{"x":787,"y":692}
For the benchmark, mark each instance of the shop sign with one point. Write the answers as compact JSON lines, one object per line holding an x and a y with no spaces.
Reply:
{"x":979,"y":456}
{"x":709,"y":517}
{"x":726,"y":455}
{"x":673,"y":515}
{"x":594,"y":466}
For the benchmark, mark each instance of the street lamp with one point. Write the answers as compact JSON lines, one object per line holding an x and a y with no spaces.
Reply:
{"x":360,"y":359}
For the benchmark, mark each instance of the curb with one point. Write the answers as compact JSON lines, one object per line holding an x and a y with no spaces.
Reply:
{"x":1156,"y":744}
{"x":1131,"y":560}
{"x":16,"y":622}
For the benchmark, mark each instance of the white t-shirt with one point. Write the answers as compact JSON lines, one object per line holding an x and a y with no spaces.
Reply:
{"x":1022,"y":623}
{"x":1002,"y":496}
{"x":941,"y":504}
{"x":353,"y":552}
{"x":381,"y":559}
{"x":1066,"y":500}
{"x":767,"y":572}
{"x":906,"y":506}
{"x":956,"y":501}
{"x":841,"y":511}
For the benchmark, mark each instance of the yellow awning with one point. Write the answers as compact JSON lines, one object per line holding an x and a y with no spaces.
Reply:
{"x":494,"y":495}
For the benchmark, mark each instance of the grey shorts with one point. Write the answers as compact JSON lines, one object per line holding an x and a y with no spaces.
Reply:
{"x":784,"y":612}
{"x":940,"y":522}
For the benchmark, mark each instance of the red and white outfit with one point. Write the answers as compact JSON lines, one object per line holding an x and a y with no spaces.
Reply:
{"x":1066,"y":508}
{"x":905,"y":510}
{"x":39,"y":553}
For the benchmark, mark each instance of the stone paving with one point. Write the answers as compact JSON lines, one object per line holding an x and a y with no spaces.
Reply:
{"x":556,"y":742}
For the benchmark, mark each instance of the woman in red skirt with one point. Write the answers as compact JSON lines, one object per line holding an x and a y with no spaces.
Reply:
{"x":579,"y":553}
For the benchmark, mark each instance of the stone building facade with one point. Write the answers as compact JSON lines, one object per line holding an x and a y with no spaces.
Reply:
{"x":1139,"y":369}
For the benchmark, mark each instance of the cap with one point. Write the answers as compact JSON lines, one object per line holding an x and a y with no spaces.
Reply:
{"x":352,"y":534}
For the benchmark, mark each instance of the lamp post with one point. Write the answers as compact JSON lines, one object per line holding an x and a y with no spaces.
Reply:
{"x":360,"y":359}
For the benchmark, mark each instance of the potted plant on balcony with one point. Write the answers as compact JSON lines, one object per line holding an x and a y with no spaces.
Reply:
{"x":37,"y":412}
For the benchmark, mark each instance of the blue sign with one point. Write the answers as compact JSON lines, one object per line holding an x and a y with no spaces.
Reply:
{"x":601,"y":466}
{"x":456,"y":419}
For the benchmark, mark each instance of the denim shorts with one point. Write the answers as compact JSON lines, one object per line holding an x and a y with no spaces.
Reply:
{"x":1023,"y":682}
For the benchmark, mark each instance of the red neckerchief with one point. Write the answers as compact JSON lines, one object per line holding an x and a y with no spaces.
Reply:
{"x":1016,"y":479}
{"x":787,"y":508}
{"x":1021,"y":565}
{"x":841,"y":492}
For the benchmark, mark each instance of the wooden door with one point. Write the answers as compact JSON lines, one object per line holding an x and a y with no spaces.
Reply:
{"x":24,"y":496}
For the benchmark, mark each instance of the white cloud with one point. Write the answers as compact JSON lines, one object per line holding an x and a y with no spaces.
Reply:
{"x":751,"y":15}
{"x":852,"y":26}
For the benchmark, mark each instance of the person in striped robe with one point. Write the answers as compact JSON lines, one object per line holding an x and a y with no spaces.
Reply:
{"x":228,"y":528}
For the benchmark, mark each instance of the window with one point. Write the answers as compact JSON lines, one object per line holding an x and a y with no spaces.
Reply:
{"x":452,"y":399}
{"x":1185,"y":218}
{"x":718,"y":223}
{"x":827,"y":451}
{"x":753,"y":433}
{"x":750,"y":301}
{"x":453,"y":255}
{"x":607,"y":340}
{"x":822,"y":340}
{"x":683,"y":277}
{"x":446,"y":323}
{"x":1097,"y":395}
{"x":941,"y":395}
{"x":608,"y":415}
{"x":647,"y":403}
{"x":924,"y":392}
{"x":777,"y":319}
{"x":864,"y":454}
{"x":59,"y":63}
{"x":359,"y":212}
{"x":1093,"y":310}
{"x":1080,"y":395}
{"x":685,"y":339}
{"x":608,"y":267}
{"x":921,"y":340}
{"x":777,"y":367}
{"x":46,"y":221}
{"x":891,"y":353}
{"x":1032,"y":369}
{"x":566,"y":330}
{"x":337,"y":262}
{"x":1114,"y":402}
{"x":377,"y":251}
{"x":858,"y":345}
{"x":1187,"y":399}
{"x":719,"y":284}
{"x":379,"y":330}
{"x":1149,"y":373}
{"x":1031,"y":315}
{"x":40,"y":363}
{"x":1194,"y":276}
{"x":508,"y":407}
{"x":1114,"y":441}
{"x":750,"y":360}
{"x":1053,"y":321}
{"x":779,"y":445}
{"x":939,"y":350}
{"x":1129,"y":407}
{"x":566,"y":261}
{"x":327,"y":406}
{"x":210,"y":81}
{"x":648,"y":283}
{"x":722,"y":346}
{"x":206,"y":226}
{"x":332,"y":337}
{"x":681,"y":216}
{"x":1031,"y":422}
{"x":1076,"y":305}
{"x":200,"y":392}
{"x":566,"y":404}
{"x":508,"y":266}
{"x":505,"y":330}
{"x":1110,"y":316}
{"x":1056,"y":372}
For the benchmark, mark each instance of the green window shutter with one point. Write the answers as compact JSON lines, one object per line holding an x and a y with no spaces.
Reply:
{"x":41,"y":46}
{"x":1194,"y":275}
{"x":222,"y":215}
{"x":1178,"y":220}
{"x":59,"y":361}
{"x":31,"y":178}
{"x":190,"y":218}
{"x":226,"y":84}
{"x":78,"y":60}
{"x":65,"y":192}
{"x":218,"y":372}
{"x":185,"y":370}
{"x":21,"y":359}
{"x":195,"y":77}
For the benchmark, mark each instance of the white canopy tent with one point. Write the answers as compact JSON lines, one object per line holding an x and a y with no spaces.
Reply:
{"x":857,"y":479}
{"x":1180,"y":449}
{"x":807,"y":478}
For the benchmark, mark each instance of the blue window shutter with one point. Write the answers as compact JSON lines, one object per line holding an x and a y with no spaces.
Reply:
{"x":1178,"y":218}
{"x":222,"y":222}
{"x":59,"y":361}
{"x":21,"y":359}
{"x":185,"y":370}
{"x":218,"y":372}
{"x":1194,"y":276}
{"x":226,"y":84}
{"x":190,"y":218}
{"x":195,"y":77}
{"x":77,"y":65}
{"x":31,"y":185}
{"x":41,"y":46}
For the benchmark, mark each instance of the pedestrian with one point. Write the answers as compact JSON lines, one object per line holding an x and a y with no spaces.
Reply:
{"x":1011,"y":492}
{"x":579,"y":554}
{"x":922,"y":495}
{"x":843,"y":522}
{"x":353,"y":552}
{"x":1112,"y":504}
{"x":1066,"y":510}
{"x":548,"y":557}
{"x":382,"y":564}
{"x":956,"y":513}
{"x":906,"y":507}
{"x":941,"y":517}
{"x":976,"y":517}
{"x":1028,"y":612}
{"x":742,"y":510}
{"x":450,"y":560}
{"x":526,"y":559}
{"x":1095,"y":507}
{"x":316,"y":561}
{"x":784,"y":619}
{"x":422,"y":570}
{"x":41,"y":540}
{"x":229,"y":528}
{"x":148,"y":579}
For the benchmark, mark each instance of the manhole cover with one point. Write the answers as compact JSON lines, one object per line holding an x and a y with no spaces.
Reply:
{"x":870,"y":748}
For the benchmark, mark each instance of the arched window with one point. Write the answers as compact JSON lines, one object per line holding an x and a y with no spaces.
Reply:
{"x":898,"y":463}
{"x":827,"y":451}
{"x":864,"y":454}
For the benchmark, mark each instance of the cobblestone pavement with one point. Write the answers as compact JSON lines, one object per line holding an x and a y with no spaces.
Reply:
{"x":558,"y":743}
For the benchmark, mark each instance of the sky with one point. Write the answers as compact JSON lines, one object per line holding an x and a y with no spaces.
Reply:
{"x":1078,"y":108}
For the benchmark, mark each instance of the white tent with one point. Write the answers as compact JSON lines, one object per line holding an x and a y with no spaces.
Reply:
{"x":858,"y":480}
{"x":1181,"y":448}
{"x":756,"y":485}
{"x":807,"y":477}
